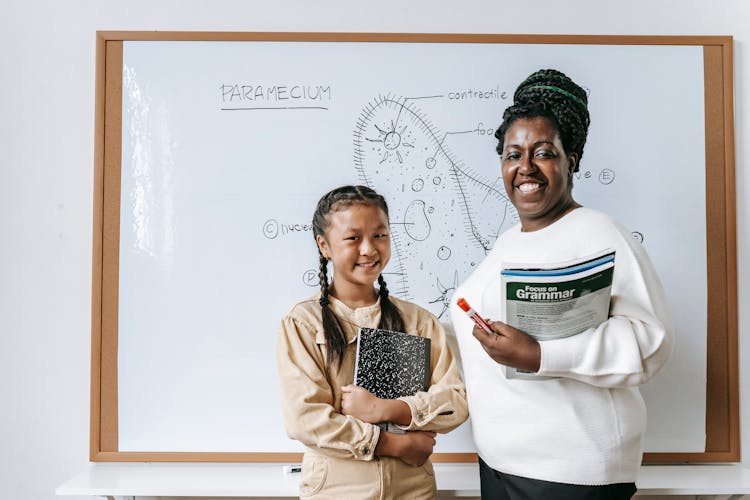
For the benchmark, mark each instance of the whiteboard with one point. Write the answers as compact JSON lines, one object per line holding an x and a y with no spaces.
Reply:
{"x":227,"y":146}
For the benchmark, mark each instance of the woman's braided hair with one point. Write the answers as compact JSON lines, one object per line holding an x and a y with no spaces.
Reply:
{"x":390,"y":319}
{"x":551,"y":94}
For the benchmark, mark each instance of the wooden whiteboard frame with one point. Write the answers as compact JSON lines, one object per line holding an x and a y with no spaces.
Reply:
{"x":722,"y":387}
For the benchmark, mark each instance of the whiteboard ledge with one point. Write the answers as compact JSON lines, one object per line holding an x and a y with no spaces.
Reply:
{"x":264,"y":479}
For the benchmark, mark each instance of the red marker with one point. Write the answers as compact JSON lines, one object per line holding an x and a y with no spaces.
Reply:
{"x":481,"y":323}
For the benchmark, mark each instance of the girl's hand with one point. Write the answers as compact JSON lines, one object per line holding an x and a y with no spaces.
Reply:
{"x":360,"y":403}
{"x":418,"y":448}
{"x":413,"y":448}
{"x":510,"y":346}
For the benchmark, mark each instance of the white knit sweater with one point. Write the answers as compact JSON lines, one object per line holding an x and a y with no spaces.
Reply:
{"x":586,"y":426}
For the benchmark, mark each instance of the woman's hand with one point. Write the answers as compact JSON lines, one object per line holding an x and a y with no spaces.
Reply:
{"x":413,"y":448}
{"x":510,"y":346}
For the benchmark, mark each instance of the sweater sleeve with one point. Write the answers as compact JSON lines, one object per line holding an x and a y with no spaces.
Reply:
{"x":443,"y":406}
{"x":635,"y":341}
{"x":310,"y":414}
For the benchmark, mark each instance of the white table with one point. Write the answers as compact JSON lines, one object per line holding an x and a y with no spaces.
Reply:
{"x":135,"y":480}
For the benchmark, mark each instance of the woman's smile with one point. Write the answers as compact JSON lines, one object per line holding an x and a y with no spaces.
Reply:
{"x":529,"y":187}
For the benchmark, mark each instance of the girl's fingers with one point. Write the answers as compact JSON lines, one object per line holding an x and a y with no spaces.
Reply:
{"x":351,"y":388}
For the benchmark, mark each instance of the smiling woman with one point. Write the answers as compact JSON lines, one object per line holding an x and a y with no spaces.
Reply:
{"x":578,"y":434}
{"x":541,"y":144}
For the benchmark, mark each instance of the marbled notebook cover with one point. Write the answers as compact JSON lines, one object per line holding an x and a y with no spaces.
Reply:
{"x":392,"y":364}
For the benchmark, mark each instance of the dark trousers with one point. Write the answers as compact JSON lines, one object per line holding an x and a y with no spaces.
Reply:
{"x":499,"y":486}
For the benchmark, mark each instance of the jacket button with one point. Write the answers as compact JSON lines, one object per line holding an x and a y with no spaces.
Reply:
{"x":365,"y":450}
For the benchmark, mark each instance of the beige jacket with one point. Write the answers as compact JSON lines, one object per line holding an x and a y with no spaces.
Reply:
{"x":311,"y":395}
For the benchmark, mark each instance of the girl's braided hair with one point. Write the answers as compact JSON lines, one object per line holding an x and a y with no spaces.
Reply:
{"x":551,"y":94}
{"x":390,"y":319}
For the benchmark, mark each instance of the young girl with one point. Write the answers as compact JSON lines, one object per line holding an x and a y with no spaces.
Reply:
{"x":347,"y":455}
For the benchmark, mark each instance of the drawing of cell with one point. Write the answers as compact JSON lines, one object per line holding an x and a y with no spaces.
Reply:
{"x":392,"y":141}
{"x":416,"y":223}
{"x":444,"y":215}
{"x":444,"y":253}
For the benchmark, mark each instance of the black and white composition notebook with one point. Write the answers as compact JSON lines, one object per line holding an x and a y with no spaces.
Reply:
{"x":392,"y":364}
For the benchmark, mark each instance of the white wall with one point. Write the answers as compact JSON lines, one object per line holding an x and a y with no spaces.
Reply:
{"x":47,"y":64}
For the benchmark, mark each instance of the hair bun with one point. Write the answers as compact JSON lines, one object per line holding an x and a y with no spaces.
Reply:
{"x":543,"y":84}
